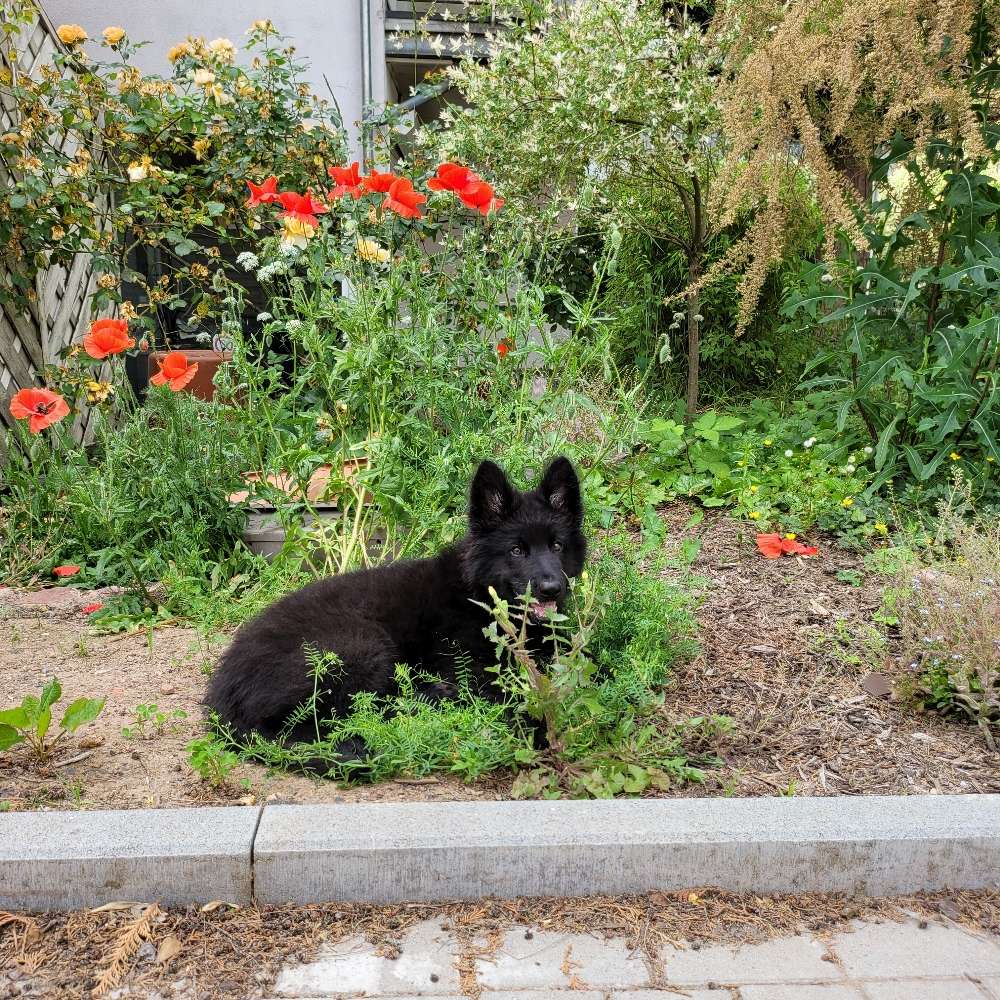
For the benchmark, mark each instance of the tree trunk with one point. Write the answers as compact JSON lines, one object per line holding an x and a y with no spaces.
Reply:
{"x":693,"y":338}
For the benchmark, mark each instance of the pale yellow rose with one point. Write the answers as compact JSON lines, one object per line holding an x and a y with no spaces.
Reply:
{"x":297,"y":233}
{"x":203,"y":77}
{"x":222,"y":50}
{"x":370,"y":251}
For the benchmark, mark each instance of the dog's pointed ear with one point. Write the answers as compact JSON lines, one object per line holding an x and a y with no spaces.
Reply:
{"x":560,"y":489}
{"x":491,"y":497}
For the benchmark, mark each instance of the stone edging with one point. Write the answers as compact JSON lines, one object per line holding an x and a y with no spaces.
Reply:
{"x":388,"y":853}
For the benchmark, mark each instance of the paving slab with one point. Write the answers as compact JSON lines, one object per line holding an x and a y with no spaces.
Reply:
{"x":397,"y":852}
{"x":925,"y":989}
{"x":666,"y":994}
{"x":784,"y":960}
{"x":425,"y":964}
{"x":835,"y":991}
{"x":553,"y":994}
{"x":529,"y":958}
{"x":69,"y":860}
{"x":902,"y":950}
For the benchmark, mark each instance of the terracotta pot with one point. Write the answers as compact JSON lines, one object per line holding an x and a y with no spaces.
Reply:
{"x":202,"y":385}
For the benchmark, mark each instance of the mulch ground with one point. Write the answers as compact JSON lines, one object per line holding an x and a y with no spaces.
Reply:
{"x":791,"y":653}
{"x":220,"y":952}
{"x":788,"y":654}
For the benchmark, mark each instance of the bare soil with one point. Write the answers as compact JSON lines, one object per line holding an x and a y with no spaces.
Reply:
{"x":788,"y":652}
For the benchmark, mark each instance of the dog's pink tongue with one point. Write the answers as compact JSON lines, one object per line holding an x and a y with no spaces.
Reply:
{"x":543,"y":609}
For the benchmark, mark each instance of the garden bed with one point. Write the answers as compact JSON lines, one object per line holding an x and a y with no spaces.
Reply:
{"x":788,"y":652}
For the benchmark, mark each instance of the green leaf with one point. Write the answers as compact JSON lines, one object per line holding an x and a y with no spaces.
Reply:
{"x":51,"y":693}
{"x":885,"y":439}
{"x":214,"y":208}
{"x":9,"y":737}
{"x":82,"y":711}
{"x":42,"y":724}
{"x":16,"y":717}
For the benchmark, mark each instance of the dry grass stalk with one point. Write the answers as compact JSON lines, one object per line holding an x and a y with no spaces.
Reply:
{"x":835,"y":82}
{"x":126,"y":945}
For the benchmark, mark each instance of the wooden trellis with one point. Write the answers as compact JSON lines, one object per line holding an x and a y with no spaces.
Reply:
{"x":59,"y":314}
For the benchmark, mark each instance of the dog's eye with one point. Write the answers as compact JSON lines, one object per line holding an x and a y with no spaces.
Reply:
{"x":556,"y":546}
{"x":517,"y":551}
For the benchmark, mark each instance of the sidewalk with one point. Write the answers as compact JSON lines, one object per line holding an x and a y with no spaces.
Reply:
{"x":916,"y":960}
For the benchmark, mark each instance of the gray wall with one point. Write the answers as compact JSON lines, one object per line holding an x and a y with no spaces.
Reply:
{"x":326,"y":33}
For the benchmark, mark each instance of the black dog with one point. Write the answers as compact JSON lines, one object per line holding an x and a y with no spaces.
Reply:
{"x":420,"y":612}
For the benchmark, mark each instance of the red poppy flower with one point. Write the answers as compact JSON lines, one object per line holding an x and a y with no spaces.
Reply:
{"x":262,"y":194}
{"x":89,"y":609}
{"x":773,"y":546}
{"x":66,"y":571}
{"x":175,"y":371}
{"x":40,"y":407}
{"x":403,"y":200}
{"x":376,"y":183}
{"x":107,"y":336}
{"x":452,"y":177}
{"x":504,"y":347}
{"x":479,"y":196}
{"x":301,"y":207}
{"x":348,"y":181}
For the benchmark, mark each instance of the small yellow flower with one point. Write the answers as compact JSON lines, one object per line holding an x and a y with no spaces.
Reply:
{"x":584,"y":575}
{"x":754,"y":515}
{"x":180,"y":50}
{"x":768,"y":442}
{"x":371,"y":252}
{"x":201,"y":147}
{"x":71,"y":34}
{"x":790,"y":535}
{"x":58,"y":232}
{"x":742,"y":463}
{"x":847,"y":502}
{"x":98,"y":392}
{"x":954,"y":456}
{"x":882,"y":528}
{"x":754,"y":489}
{"x":203,"y":77}
{"x":693,"y":897}
{"x":113,"y":34}
{"x":264,"y":25}
{"x":989,"y":458}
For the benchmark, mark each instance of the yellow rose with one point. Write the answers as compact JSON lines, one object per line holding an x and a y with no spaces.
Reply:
{"x":264,"y":25}
{"x":113,"y":34}
{"x":180,"y":50}
{"x":371,"y":252}
{"x":222,"y":50}
{"x":203,"y":77}
{"x":297,"y":233}
{"x":71,"y":34}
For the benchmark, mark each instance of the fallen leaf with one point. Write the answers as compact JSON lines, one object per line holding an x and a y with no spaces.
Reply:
{"x":877,"y":685}
{"x":216,"y":904}
{"x":120,"y":904}
{"x":169,"y":948}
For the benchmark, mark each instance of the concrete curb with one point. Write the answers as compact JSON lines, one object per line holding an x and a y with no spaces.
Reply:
{"x":388,"y":853}
{"x":68,"y":860}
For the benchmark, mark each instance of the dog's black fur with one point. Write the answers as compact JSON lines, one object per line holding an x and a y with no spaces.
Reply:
{"x":420,"y":612}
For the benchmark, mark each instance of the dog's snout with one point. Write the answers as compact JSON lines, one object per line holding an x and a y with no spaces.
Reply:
{"x":550,"y":587}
